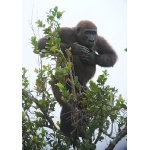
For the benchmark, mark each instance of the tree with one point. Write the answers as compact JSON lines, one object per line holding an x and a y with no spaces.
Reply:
{"x":104,"y":110}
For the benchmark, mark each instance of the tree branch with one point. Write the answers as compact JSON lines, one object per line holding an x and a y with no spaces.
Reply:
{"x":31,"y":97}
{"x":109,"y":134}
{"x":120,"y":135}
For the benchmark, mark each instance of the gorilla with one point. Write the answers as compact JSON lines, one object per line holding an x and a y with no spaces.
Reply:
{"x":88,"y":50}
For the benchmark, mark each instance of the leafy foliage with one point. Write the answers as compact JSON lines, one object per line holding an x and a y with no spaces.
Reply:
{"x":103,"y":109}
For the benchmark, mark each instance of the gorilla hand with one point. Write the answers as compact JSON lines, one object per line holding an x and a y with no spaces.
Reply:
{"x":79,"y":49}
{"x":89,"y":58}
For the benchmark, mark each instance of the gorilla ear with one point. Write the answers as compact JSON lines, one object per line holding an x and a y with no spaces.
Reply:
{"x":78,"y":30}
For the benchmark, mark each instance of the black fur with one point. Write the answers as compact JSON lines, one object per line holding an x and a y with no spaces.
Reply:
{"x":84,"y":43}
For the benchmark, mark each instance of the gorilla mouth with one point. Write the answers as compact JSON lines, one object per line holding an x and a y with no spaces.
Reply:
{"x":90,"y":44}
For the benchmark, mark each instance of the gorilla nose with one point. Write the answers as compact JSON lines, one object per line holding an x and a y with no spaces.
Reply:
{"x":91,"y":40}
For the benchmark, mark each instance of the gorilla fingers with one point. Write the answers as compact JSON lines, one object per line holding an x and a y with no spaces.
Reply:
{"x":89,"y":58}
{"x":79,"y":49}
{"x":86,"y":55}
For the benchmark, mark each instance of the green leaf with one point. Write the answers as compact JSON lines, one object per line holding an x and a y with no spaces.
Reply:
{"x":53,"y":49}
{"x":41,"y":102}
{"x":53,"y":13}
{"x":102,"y":79}
{"x":59,"y":14}
{"x":93,"y":86}
{"x":38,"y":114}
{"x":124,"y":106}
{"x":33,"y":40}
{"x":61,"y":86}
{"x":24,"y":70}
{"x":56,"y":8}
{"x":36,"y":70}
{"x":44,"y":67}
{"x":58,"y":123}
{"x":40,"y":23}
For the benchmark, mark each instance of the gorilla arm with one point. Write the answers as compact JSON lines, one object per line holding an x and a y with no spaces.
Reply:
{"x":106,"y":56}
{"x":42,"y":43}
{"x":67,"y":40}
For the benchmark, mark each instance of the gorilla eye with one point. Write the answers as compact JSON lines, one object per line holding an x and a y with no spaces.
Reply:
{"x":94,"y":32}
{"x":90,"y":32}
{"x":87,"y":32}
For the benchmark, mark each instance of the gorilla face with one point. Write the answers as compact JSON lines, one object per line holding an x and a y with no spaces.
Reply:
{"x":90,"y":37}
{"x":86,"y":37}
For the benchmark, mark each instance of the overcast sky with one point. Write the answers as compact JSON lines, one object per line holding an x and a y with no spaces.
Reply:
{"x":108,"y":15}
{"x":110,"y":18}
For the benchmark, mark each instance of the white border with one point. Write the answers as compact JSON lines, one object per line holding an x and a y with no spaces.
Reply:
{"x":10,"y":74}
{"x":138,"y":72}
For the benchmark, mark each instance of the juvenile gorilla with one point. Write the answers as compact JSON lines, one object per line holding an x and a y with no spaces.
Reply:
{"x":88,"y":50}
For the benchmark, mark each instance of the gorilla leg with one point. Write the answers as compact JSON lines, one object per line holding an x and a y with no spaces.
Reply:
{"x":65,"y":121}
{"x":66,"y":125}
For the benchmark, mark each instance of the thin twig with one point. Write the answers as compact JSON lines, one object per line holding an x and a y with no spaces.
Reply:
{"x":71,"y":78}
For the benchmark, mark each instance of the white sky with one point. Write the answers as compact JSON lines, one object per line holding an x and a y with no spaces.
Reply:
{"x":110,"y":18}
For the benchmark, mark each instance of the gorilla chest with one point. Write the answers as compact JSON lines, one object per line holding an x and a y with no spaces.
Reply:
{"x":83,"y":71}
